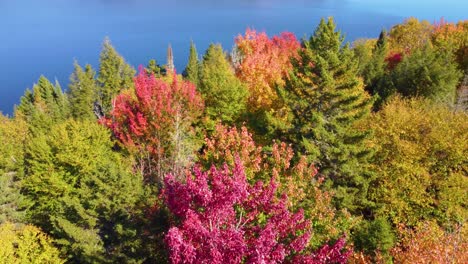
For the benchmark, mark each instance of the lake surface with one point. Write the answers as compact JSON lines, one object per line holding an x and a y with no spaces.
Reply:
{"x":45,"y":37}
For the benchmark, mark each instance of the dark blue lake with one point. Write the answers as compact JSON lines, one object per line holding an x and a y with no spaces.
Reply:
{"x":44,"y":37}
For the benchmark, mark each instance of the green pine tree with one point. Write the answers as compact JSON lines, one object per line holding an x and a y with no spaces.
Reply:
{"x":82,"y":92}
{"x":114,"y":76}
{"x":82,"y":192}
{"x":326,"y":98}
{"x":224,"y":94}
{"x":46,"y":103}
{"x":375,"y":71}
{"x":428,"y":72}
{"x":13,"y":134}
{"x":153,"y":68}
{"x":191,"y":72}
{"x":10,"y":198}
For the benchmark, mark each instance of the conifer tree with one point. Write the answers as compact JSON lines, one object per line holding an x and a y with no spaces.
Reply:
{"x":13,"y":134}
{"x":377,"y":65}
{"x":375,"y":72}
{"x":82,"y":92}
{"x":428,"y":72}
{"x":225,"y":96}
{"x":326,"y":98}
{"x":82,"y":192}
{"x":191,"y":72}
{"x":153,"y":68}
{"x":114,"y":76}
{"x":45,"y":101}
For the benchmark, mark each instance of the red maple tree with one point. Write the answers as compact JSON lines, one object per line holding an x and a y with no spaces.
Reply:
{"x":154,"y":121}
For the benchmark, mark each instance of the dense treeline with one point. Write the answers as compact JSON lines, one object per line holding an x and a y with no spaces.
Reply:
{"x":282,"y":151}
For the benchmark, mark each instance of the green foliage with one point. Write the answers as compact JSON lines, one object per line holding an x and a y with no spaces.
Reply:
{"x":81,"y":191}
{"x":326,"y":98}
{"x":114,"y":76}
{"x":374,"y":69}
{"x":428,"y":72}
{"x":225,"y":96}
{"x":153,"y":68}
{"x":82,"y":92}
{"x":192,"y":70}
{"x":420,"y":160}
{"x":13,"y":133}
{"x":374,"y":236}
{"x":26,"y":244}
{"x":45,"y":102}
{"x":11,"y":201}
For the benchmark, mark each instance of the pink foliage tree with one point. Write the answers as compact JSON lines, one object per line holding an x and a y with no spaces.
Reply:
{"x":155,"y":121}
{"x":220,"y":218}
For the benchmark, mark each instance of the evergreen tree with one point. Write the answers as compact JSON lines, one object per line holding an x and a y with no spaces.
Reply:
{"x":82,"y":192}
{"x":326,"y":98}
{"x":62,"y":101}
{"x":153,"y":68}
{"x":225,"y":96}
{"x":191,"y":72}
{"x":45,"y":101}
{"x":375,"y":72}
{"x":13,"y":133}
{"x":427,"y":72}
{"x":82,"y":92}
{"x":10,"y":198}
{"x":114,"y":76}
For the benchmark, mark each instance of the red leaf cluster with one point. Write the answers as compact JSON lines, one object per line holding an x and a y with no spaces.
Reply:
{"x":145,"y":119}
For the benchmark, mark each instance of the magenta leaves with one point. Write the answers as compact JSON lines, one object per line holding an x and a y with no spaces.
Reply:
{"x":220,"y":218}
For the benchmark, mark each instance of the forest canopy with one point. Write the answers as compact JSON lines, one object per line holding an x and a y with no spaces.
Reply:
{"x":279,"y":151}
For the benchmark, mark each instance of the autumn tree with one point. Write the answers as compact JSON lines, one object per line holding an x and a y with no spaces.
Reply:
{"x":420,"y":162}
{"x":410,"y":35}
{"x":191,"y":72}
{"x":428,"y":243}
{"x":82,"y":192}
{"x":223,"y":219}
{"x":82,"y":92}
{"x":223,"y":93}
{"x":115,"y":75}
{"x":453,"y":37}
{"x":26,"y":244}
{"x":155,"y":121}
{"x":299,"y":181}
{"x":264,"y":63}
{"x":327,"y":98}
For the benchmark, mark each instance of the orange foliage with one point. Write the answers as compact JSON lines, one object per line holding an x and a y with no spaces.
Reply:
{"x":428,"y":243}
{"x":264,"y":63}
{"x":453,"y":36}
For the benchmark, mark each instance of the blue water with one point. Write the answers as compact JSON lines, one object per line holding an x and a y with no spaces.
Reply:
{"x":44,"y":37}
